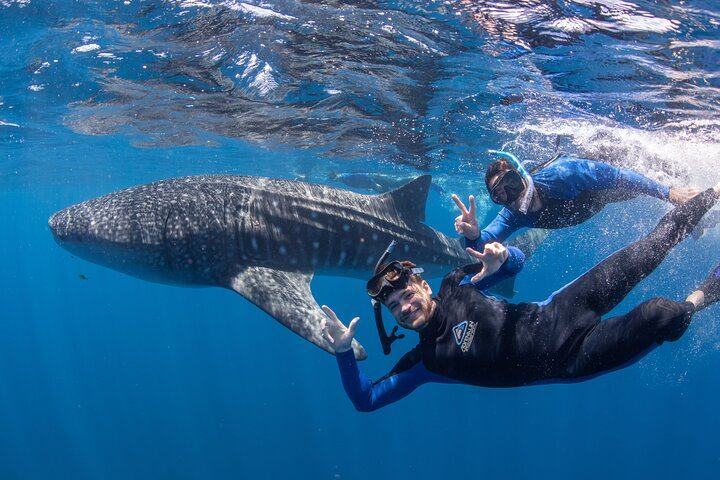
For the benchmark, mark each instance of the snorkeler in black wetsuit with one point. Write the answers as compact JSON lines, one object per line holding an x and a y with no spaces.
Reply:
{"x":468,"y":337}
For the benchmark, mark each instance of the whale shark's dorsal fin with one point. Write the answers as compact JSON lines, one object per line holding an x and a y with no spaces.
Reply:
{"x":286,"y":296}
{"x":410,"y":199}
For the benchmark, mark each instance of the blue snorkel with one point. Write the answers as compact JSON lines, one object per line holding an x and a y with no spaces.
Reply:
{"x":527,"y":179}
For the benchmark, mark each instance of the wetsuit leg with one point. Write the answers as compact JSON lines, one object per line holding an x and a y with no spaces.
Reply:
{"x":618,"y":341}
{"x":601,"y":288}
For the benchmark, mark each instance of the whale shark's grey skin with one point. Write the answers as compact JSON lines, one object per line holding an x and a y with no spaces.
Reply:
{"x":263,"y":238}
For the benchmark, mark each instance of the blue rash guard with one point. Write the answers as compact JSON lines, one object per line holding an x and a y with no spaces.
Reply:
{"x":476,"y":339}
{"x":572,"y":190}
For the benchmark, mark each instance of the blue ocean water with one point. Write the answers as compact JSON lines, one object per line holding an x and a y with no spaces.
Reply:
{"x":109,"y":377}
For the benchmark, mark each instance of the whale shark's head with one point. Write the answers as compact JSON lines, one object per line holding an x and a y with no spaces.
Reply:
{"x":102,"y":231}
{"x":75,"y":225}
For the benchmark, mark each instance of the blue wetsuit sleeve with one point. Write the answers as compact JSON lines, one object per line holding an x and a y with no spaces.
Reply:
{"x":503,"y":225}
{"x":367,"y":396}
{"x":601,"y":176}
{"x":568,"y":177}
{"x":514,"y":262}
{"x":635,"y":182}
{"x":512,"y":266}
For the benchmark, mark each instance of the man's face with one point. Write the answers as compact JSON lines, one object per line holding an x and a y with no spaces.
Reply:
{"x":411,"y":306}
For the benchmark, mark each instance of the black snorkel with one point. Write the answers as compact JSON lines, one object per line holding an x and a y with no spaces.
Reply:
{"x":385,"y":339}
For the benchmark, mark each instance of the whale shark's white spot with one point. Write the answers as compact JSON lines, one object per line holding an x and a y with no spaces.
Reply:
{"x":254,"y":243}
{"x":406,"y":248}
{"x":346,"y":228}
{"x":369,"y":261}
{"x":282,"y":250}
{"x":375,"y":237}
{"x":316,"y":245}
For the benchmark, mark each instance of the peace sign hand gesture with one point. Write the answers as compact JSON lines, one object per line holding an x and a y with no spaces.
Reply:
{"x":466,"y":223}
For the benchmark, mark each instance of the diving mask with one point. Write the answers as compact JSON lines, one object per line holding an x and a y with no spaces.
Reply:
{"x":509,"y":187}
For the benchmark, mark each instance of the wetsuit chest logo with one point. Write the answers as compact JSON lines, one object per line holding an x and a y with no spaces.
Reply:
{"x":464,"y":333}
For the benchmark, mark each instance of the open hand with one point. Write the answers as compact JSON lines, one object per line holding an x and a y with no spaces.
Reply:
{"x":336,"y":333}
{"x":678,"y":196}
{"x":492,"y":258}
{"x":466,"y":223}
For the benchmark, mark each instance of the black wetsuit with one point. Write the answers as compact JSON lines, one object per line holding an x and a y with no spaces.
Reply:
{"x":476,"y":339}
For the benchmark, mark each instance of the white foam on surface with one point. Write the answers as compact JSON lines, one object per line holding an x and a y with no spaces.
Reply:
{"x":687,"y":155}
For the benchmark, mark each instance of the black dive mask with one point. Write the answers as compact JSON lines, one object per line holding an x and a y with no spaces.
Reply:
{"x":393,"y":276}
{"x":386,"y":279}
{"x":507,"y":188}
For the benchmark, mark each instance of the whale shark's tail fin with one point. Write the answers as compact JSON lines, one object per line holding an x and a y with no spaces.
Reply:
{"x":286,"y":297}
{"x":410,"y":199}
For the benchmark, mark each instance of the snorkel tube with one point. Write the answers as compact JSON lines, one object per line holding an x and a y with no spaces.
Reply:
{"x":385,"y":339}
{"x":527,"y":179}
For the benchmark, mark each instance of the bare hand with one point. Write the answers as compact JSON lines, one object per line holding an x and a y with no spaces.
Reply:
{"x":466,"y":223}
{"x":336,"y":333}
{"x":492,"y":258}
{"x":678,"y":196}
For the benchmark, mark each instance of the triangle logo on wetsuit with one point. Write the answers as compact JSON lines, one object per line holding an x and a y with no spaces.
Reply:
{"x":459,"y":332}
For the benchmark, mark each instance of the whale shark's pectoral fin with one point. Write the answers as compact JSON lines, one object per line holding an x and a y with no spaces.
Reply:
{"x":286,"y":297}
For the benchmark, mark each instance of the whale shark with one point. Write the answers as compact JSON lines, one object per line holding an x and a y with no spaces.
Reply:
{"x":263,"y":238}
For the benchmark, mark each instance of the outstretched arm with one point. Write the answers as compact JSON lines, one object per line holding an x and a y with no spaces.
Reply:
{"x":608,"y":176}
{"x":365,"y":395}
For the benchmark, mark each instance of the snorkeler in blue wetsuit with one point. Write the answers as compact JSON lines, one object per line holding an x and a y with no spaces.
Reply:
{"x":471,"y":338}
{"x":565,"y":192}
